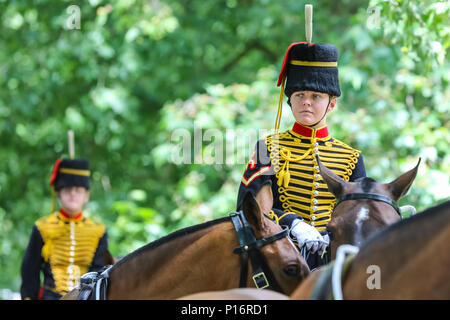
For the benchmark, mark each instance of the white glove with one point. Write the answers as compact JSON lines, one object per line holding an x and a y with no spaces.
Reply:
{"x":307,"y":235}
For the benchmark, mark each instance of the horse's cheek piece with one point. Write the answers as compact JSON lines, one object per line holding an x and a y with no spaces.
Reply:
{"x":249,"y":248}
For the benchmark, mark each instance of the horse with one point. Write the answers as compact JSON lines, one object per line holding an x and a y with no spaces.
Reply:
{"x":364,"y":206}
{"x":210,"y":256}
{"x":409,"y":257}
{"x":406,"y":260}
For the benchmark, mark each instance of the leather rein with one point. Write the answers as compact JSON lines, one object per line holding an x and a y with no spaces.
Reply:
{"x":249,"y":248}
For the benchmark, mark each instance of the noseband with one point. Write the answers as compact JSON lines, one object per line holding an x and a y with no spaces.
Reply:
{"x":369,"y":196}
{"x":249,"y":247}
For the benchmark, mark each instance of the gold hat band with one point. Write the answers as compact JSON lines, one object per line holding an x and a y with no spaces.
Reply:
{"x":76,"y":172}
{"x":314,"y":63}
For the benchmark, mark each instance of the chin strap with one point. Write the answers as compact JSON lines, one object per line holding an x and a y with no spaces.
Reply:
{"x":326,"y":111}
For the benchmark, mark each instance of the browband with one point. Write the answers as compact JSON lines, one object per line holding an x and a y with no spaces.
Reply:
{"x":369,"y":196}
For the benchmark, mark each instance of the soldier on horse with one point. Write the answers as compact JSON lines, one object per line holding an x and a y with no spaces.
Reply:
{"x":283,"y":165}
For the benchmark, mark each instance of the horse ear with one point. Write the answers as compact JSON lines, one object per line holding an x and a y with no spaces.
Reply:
{"x":334,"y":182}
{"x":252,"y":212}
{"x":400,"y":186}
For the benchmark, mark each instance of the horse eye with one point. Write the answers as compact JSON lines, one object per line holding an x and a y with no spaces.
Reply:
{"x":291,"y":270}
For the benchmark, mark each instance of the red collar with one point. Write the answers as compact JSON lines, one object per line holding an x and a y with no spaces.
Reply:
{"x":308,"y":132}
{"x":68,"y":216}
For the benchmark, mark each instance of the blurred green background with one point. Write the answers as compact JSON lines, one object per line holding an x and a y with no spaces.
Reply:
{"x":135,"y":72}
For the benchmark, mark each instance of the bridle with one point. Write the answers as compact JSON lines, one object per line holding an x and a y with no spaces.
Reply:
{"x":332,"y":273}
{"x":369,"y":196}
{"x":93,"y":285}
{"x":365,"y":196}
{"x":249,"y":247}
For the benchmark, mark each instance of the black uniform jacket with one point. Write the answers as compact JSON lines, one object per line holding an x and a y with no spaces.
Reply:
{"x":287,"y":162}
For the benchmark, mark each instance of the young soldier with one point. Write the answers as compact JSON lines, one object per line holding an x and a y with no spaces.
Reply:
{"x":282,"y":173}
{"x":65,"y":244}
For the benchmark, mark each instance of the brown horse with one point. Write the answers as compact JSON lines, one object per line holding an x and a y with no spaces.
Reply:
{"x":407,"y":260}
{"x":363,"y":206}
{"x":411,"y":257}
{"x":201,"y":258}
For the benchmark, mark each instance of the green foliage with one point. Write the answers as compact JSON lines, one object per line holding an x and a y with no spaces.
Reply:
{"x":139,"y":73}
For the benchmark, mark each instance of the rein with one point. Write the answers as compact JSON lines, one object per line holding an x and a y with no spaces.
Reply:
{"x":93,"y":285}
{"x":329,"y":284}
{"x":369,"y":196}
{"x":249,"y":248}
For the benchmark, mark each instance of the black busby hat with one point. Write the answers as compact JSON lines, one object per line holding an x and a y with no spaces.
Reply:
{"x":70,"y":173}
{"x":309,"y":66}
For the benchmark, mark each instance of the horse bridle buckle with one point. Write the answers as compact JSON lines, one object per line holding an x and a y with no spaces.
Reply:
{"x":249,"y":249}
{"x":260,"y":280}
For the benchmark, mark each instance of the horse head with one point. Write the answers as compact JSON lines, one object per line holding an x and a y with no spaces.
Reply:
{"x":369,"y":205}
{"x":284,"y":260}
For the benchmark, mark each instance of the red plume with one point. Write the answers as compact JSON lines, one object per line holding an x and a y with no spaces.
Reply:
{"x":285,"y":62}
{"x":55,"y":171}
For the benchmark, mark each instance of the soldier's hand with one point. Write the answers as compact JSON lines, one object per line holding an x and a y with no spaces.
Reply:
{"x":307,"y":235}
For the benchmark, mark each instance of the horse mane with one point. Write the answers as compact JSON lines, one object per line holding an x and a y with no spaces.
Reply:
{"x":170,"y":237}
{"x":427,"y":216}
